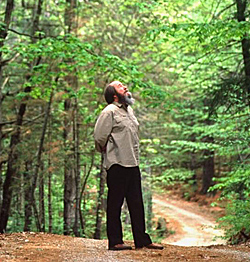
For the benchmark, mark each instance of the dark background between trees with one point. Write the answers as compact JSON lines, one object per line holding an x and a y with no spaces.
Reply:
{"x":188,"y":65}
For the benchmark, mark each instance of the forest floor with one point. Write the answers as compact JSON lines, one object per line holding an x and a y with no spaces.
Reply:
{"x":193,"y":241}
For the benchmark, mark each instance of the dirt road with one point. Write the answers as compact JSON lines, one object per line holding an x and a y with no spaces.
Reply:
{"x":193,"y":225}
{"x":194,"y":231}
{"x":40,"y":247}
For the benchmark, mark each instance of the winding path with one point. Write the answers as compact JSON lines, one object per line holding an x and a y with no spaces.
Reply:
{"x":193,"y":227}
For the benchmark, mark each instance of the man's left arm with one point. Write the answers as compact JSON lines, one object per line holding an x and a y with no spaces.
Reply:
{"x":103,"y":130}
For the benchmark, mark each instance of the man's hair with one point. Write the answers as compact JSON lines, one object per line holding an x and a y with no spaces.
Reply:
{"x":109,"y":94}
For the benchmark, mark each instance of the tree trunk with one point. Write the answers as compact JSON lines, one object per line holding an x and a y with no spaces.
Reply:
{"x":208,"y":167}
{"x":41,"y":200}
{"x":12,"y":166}
{"x":50,"y":203}
{"x":70,"y":16}
{"x":1,"y":183}
{"x":77,"y":168}
{"x":3,"y":35}
{"x":27,"y":196}
{"x":70,"y":175}
{"x":86,"y":176}
{"x":49,"y":181}
{"x":208,"y":158}
{"x":245,"y":44}
{"x":100,"y":204}
{"x":4,"y":29}
{"x":147,"y":192}
{"x":69,"y":171}
{"x":38,"y":161}
{"x":35,"y":26}
{"x":193,"y":167}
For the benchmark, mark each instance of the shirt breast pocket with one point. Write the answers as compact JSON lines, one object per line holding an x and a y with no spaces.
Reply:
{"x":121,"y":123}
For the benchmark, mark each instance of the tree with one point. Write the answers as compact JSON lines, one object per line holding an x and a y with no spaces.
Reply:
{"x":245,"y":44}
{"x":11,"y":171}
{"x":100,"y":205}
{"x":3,"y":34}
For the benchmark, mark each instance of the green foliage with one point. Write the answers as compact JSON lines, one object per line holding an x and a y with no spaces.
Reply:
{"x":235,"y":188}
{"x":209,"y":36}
{"x":169,"y":177}
{"x":236,"y":185}
{"x":236,"y":222}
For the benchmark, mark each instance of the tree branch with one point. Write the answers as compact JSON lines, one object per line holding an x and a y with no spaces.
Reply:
{"x":5,"y":62}
{"x":23,"y":34}
{"x":223,"y":10}
{"x":25,"y":121}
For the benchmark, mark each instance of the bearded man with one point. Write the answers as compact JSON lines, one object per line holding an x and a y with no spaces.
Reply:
{"x":116,"y":136}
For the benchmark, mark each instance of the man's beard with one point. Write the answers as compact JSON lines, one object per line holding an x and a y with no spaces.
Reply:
{"x":125,"y":99}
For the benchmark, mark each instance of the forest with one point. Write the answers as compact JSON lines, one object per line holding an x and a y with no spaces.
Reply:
{"x":187,"y":64}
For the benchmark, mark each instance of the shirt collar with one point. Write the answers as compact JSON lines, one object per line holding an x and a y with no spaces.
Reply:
{"x":120,"y":105}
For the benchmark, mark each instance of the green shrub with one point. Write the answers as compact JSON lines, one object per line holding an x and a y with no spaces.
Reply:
{"x":236,"y":190}
{"x":236,"y":222}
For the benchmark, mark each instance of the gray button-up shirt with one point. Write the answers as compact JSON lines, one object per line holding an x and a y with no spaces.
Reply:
{"x":116,"y":134}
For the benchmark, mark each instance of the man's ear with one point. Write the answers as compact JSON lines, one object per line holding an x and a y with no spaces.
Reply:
{"x":115,"y":98}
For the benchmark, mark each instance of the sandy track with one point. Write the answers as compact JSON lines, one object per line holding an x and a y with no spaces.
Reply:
{"x":192,"y":226}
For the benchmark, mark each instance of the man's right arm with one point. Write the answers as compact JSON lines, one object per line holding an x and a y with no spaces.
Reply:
{"x":103,"y":128}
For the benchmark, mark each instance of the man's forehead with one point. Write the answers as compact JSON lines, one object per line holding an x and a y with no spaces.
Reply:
{"x":115,"y":83}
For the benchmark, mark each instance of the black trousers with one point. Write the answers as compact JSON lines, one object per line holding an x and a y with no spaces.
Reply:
{"x":125,"y":182}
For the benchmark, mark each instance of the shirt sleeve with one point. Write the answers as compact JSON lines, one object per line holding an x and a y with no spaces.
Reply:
{"x":102,"y":131}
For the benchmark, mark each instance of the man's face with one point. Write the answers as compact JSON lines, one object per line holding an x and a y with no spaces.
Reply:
{"x":122,"y":94}
{"x":120,"y":88}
